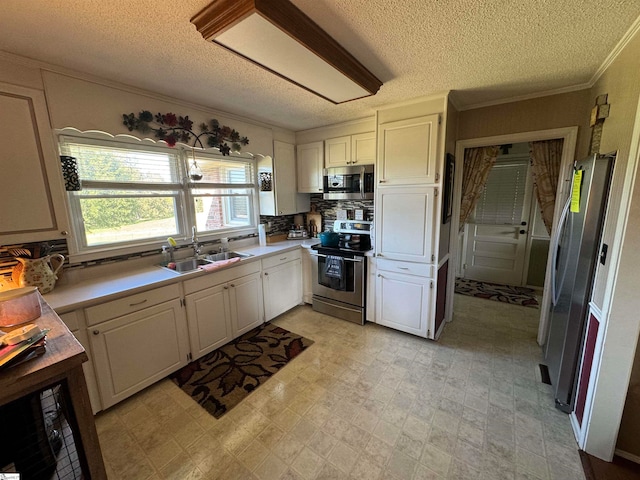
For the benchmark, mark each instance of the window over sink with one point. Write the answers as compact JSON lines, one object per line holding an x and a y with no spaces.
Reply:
{"x":136,"y":195}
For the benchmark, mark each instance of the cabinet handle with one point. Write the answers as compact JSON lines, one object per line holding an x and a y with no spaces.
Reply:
{"x":403,"y":268}
{"x":138,"y":303}
{"x":283,"y":258}
{"x":320,"y":190}
{"x":381,"y":181}
{"x":380,"y":275}
{"x":380,"y":255}
{"x":96,"y":332}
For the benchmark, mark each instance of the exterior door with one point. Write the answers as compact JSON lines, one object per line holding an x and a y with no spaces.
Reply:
{"x":496,"y":238}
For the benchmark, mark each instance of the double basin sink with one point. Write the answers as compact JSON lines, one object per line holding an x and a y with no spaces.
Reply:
{"x":192,"y":263}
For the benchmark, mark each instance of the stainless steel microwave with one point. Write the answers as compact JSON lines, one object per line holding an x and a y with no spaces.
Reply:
{"x":348,"y":183}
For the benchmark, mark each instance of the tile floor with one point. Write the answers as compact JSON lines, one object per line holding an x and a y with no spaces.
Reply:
{"x":365,"y":403}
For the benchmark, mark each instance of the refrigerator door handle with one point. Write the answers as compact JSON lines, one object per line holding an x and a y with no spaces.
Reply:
{"x":555,"y":295}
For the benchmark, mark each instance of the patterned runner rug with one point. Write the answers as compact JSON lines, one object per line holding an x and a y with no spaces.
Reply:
{"x":221,"y":379}
{"x":501,"y":293}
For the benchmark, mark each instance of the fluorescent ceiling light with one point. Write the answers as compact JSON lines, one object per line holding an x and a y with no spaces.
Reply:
{"x":277,"y":36}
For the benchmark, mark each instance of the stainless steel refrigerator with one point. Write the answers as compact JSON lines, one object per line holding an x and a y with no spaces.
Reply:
{"x":576,"y":250}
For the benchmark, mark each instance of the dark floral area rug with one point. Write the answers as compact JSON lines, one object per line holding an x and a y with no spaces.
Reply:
{"x":501,"y":293}
{"x":221,"y":379}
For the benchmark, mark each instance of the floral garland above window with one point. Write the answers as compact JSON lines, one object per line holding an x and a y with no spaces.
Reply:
{"x":172,"y":128}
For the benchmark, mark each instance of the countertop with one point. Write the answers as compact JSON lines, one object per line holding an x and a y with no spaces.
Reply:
{"x":68,"y":297}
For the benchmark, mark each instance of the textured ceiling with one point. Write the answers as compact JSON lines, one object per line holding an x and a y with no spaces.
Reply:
{"x":485,"y":50}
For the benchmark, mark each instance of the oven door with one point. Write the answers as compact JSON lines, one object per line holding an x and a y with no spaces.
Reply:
{"x":342,"y":281}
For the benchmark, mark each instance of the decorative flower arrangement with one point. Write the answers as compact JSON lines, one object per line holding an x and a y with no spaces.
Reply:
{"x":172,"y":128}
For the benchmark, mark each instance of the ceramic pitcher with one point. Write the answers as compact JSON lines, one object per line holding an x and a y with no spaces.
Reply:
{"x":38,"y":272}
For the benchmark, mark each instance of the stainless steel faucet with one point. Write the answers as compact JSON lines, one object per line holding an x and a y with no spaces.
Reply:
{"x":194,"y":242}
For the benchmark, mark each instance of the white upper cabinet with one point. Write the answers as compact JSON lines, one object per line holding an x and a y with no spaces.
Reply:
{"x":405,"y":218}
{"x":407,"y":151}
{"x":310,"y":162}
{"x":359,"y":149}
{"x":337,"y":151}
{"x":33,"y":197}
{"x":281,"y":196}
{"x":363,"y":148}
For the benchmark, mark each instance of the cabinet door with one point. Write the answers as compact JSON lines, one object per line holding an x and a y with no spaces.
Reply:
{"x":282,"y":288}
{"x":136,"y":350}
{"x":209,"y":318}
{"x":247,"y":310}
{"x":310,"y":162}
{"x":288,"y":200}
{"x":307,"y":277}
{"x":405,"y":218}
{"x":404,"y":302}
{"x":33,"y":197}
{"x":337,"y":151}
{"x":371,"y":289}
{"x":407,"y":151}
{"x":363,"y":148}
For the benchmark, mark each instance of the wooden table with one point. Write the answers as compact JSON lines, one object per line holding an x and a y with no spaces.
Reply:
{"x":61,"y":364}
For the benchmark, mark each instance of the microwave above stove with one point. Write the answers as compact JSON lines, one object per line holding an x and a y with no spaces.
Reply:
{"x":348,"y":183}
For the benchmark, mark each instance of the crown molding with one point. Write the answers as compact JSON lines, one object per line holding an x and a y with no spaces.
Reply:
{"x":530,"y":96}
{"x":620,"y":46}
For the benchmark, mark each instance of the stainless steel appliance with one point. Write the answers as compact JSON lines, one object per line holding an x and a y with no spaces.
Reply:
{"x":575,"y":250}
{"x":340,"y":273}
{"x":348,"y":183}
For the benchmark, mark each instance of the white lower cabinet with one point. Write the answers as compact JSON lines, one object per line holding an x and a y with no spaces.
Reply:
{"x":307,"y":276}
{"x":247,"y":306}
{"x":209,"y":319}
{"x":230,"y":307}
{"x":136,"y":350}
{"x":282,"y":283}
{"x":75,"y":322}
{"x":404,"y":302}
{"x":371,"y":289}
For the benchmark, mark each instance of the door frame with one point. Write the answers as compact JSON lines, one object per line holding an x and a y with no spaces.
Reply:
{"x":569,"y":135}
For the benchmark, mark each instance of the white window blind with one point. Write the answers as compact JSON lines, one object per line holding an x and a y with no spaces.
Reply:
{"x":134,"y":195}
{"x":502,"y":199}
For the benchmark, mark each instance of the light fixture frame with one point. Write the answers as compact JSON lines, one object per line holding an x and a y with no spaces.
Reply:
{"x":222,"y":15}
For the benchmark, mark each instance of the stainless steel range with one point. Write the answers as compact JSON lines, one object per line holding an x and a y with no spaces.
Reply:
{"x":340,"y":273}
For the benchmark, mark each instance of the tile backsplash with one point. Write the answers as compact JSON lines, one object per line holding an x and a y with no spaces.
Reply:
{"x":327,"y":208}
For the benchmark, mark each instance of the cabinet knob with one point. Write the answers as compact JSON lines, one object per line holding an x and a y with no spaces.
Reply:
{"x":232,"y":285}
{"x":265,"y":274}
{"x":379,"y":274}
{"x":379,"y":254}
{"x":226,"y":287}
{"x":96,"y":332}
{"x":64,"y":232}
{"x":523,"y":232}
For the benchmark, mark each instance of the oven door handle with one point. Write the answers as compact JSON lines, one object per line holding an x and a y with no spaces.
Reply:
{"x":356,"y":259}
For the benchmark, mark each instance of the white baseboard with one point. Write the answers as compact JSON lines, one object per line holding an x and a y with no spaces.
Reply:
{"x":628,"y":456}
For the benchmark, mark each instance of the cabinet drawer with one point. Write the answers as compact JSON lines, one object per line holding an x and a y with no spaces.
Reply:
{"x":71,"y":320}
{"x":410,"y":268}
{"x":281,"y":258}
{"x":132,"y":303}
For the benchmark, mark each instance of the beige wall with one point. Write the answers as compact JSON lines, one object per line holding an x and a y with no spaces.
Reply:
{"x":555,"y":111}
{"x":621,"y":82}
